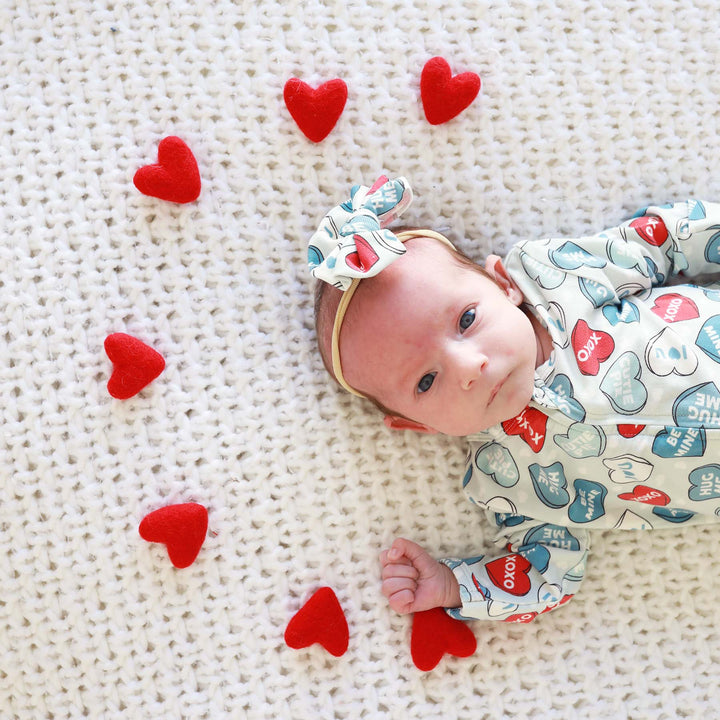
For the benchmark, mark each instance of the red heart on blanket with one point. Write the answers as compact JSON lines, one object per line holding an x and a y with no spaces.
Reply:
{"x":319,"y":620}
{"x":444,"y":96}
{"x":315,"y":110}
{"x":591,"y":347}
{"x":435,"y":633}
{"x":135,"y":365}
{"x":175,"y":177}
{"x":181,"y":527}
{"x":647,"y":495}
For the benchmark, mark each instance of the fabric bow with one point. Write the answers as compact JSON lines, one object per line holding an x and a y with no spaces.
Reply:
{"x":351,"y":241}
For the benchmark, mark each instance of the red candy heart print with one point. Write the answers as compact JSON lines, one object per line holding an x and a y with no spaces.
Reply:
{"x":435,"y":633}
{"x":591,"y":347}
{"x":182,"y":528}
{"x":530,"y":425}
{"x":364,"y":256}
{"x":647,"y":495}
{"x":321,"y":620}
{"x":175,"y":177}
{"x":674,"y":307}
{"x":630,"y":431}
{"x":135,"y":365}
{"x":510,"y":573}
{"x":651,"y":229}
{"x":315,"y":110}
{"x":444,"y":96}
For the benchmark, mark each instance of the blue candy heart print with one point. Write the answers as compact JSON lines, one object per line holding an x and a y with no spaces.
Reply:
{"x":696,"y":210}
{"x":496,"y":461}
{"x":468,"y":476}
{"x":589,"y":502}
{"x":553,"y":536}
{"x":550,"y":484}
{"x":562,"y":392}
{"x":627,"y":313}
{"x":315,"y":257}
{"x":677,"y":442}
{"x":705,"y":483}
{"x":570,"y":256}
{"x":546,"y":276}
{"x":699,"y":406}
{"x":595,"y":292}
{"x":627,"y":255}
{"x":505,"y":520}
{"x":622,"y":386}
{"x":708,"y":339}
{"x":673,"y":515}
{"x":582,"y":441}
{"x":537,"y":555}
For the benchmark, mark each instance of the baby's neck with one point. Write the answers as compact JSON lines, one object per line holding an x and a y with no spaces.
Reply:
{"x":542,"y":338}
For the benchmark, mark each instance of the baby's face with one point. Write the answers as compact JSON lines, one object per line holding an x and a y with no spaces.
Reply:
{"x":440,"y":343}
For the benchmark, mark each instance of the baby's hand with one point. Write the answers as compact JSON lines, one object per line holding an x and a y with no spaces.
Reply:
{"x":413,"y":581}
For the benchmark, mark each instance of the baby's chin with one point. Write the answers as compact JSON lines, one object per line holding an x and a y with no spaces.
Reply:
{"x":475,"y":425}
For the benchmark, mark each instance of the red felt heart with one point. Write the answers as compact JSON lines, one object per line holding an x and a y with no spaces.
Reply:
{"x":591,"y":347}
{"x":435,"y":633}
{"x":647,"y":495}
{"x":175,"y":177}
{"x":320,"y":620}
{"x":135,"y":365}
{"x":315,"y":110}
{"x":181,"y":527}
{"x":444,"y":96}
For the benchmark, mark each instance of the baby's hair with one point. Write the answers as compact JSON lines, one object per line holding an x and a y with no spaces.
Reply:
{"x":328,"y":297}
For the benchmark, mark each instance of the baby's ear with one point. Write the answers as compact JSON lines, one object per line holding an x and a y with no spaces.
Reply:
{"x":495,"y":267}
{"x":400,"y":423}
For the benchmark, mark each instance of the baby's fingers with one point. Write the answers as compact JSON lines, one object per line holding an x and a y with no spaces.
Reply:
{"x":400,"y":593}
{"x":395,"y":557}
{"x":392,"y":570}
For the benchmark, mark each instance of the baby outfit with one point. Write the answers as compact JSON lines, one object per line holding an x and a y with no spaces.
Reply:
{"x":623,"y":429}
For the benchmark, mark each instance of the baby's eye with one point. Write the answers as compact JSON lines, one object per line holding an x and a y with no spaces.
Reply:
{"x":425,"y":382}
{"x":467,"y":319}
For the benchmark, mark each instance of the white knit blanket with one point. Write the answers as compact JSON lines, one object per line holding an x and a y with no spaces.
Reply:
{"x":588,"y":110}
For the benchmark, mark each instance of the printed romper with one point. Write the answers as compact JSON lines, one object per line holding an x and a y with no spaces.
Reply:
{"x":623,"y":430}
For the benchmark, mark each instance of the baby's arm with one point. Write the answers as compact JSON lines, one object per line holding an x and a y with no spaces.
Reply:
{"x":413,"y":581}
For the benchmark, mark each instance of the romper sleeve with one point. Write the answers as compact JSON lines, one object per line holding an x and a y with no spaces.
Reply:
{"x":659,"y":242}
{"x":542,"y":568}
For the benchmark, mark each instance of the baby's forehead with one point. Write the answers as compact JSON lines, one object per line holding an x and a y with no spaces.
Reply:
{"x":423,"y":256}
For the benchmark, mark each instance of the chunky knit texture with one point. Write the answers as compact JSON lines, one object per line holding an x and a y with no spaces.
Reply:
{"x":587,"y":112}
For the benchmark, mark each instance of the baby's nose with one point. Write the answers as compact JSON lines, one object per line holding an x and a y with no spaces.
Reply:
{"x":472,"y":369}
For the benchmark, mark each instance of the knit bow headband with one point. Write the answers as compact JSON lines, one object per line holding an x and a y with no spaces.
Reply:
{"x":352,"y":243}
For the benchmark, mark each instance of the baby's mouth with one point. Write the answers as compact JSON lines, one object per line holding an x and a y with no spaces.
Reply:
{"x":496,"y":390}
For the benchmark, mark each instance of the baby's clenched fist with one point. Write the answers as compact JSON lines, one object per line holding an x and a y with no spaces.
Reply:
{"x":414,"y":581}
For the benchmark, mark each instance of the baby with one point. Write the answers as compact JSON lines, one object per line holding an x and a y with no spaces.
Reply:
{"x":584,"y":387}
